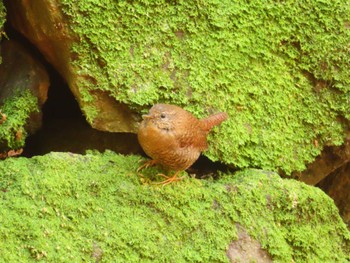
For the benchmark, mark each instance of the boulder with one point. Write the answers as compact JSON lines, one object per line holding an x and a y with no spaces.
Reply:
{"x":280,"y":70}
{"x":247,"y":249}
{"x":48,"y":28}
{"x":24,"y":84}
{"x":95,"y":207}
{"x":337,"y":186}
{"x":331,"y":172}
{"x":331,"y":159}
{"x":2,"y":19}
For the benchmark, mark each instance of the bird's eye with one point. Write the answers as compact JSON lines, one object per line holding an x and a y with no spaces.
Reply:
{"x":162,"y":115}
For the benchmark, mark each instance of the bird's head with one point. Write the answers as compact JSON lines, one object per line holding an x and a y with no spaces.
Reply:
{"x":163,"y":116}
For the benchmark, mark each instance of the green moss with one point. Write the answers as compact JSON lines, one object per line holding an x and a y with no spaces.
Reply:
{"x":62,"y":207}
{"x":17,"y":109}
{"x":279,"y":68}
{"x":2,"y":17}
{"x":2,"y":21}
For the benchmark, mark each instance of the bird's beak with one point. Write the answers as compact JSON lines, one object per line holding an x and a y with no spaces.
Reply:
{"x":146,"y":116}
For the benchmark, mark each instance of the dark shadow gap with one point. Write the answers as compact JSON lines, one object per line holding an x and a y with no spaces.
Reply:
{"x":61,"y":102}
{"x":64,"y":127}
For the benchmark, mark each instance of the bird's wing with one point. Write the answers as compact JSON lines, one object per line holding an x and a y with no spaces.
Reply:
{"x":192,"y":138}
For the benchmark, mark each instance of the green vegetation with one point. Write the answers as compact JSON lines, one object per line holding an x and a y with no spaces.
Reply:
{"x":64,"y":207}
{"x":279,"y":68}
{"x":2,"y":21}
{"x":2,"y":16}
{"x":15,"y":112}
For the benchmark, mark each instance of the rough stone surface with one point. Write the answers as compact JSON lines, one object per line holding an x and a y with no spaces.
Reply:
{"x":45,"y":25}
{"x":331,"y":159}
{"x":20,"y":73}
{"x":279,"y":69}
{"x":20,"y":70}
{"x":246,"y":249}
{"x":2,"y":19}
{"x":337,"y":186}
{"x":331,"y":172}
{"x":64,"y":206}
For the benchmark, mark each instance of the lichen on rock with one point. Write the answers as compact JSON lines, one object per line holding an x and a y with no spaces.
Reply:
{"x":64,"y":206}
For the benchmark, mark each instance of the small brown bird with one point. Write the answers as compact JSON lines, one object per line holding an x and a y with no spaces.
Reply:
{"x":174,"y":138}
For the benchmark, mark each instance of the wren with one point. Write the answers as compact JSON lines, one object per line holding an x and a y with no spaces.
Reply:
{"x":174,"y":138}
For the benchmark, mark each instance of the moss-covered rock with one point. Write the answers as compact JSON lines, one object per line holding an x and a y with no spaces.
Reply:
{"x":2,"y":21}
{"x":63,"y":207}
{"x":24,"y":85}
{"x":279,"y":68}
{"x":15,"y":113}
{"x":2,"y":17}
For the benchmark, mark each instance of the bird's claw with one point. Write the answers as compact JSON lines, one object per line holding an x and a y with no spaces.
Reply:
{"x":146,"y":164}
{"x":169,"y":179}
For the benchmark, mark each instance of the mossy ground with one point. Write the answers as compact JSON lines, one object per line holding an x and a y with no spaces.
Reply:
{"x":279,"y":68}
{"x":64,"y":207}
{"x":17,"y":108}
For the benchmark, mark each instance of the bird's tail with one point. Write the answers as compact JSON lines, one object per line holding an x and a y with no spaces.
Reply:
{"x":213,"y":120}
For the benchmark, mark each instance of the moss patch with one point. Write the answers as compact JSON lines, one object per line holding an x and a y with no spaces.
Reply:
{"x":62,"y":207}
{"x":2,"y":21}
{"x":17,"y":109}
{"x":2,"y":17}
{"x":279,"y":68}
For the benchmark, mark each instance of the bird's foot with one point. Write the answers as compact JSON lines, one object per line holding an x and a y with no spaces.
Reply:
{"x":146,"y":165}
{"x":170,"y":179}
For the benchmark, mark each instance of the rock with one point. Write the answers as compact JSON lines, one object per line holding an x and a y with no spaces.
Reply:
{"x":95,"y":207}
{"x":50,"y":33}
{"x":20,"y":70}
{"x":337,"y":186}
{"x":283,"y":92}
{"x":331,"y":172}
{"x":246,"y":249}
{"x":24,"y":85}
{"x":2,"y":19}
{"x":331,"y":159}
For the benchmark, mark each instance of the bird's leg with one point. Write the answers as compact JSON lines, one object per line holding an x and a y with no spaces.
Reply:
{"x":170,"y":179}
{"x":146,"y":164}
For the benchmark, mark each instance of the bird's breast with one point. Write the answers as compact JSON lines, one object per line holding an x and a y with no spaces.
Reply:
{"x":164,"y":147}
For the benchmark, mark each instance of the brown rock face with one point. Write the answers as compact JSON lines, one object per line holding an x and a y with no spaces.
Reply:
{"x":43,"y":23}
{"x":337,"y":186}
{"x":331,"y":172}
{"x":19,"y":70}
{"x":246,"y":249}
{"x":329,"y":161}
